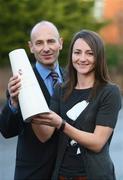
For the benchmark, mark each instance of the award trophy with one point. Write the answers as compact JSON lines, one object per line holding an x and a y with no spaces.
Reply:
{"x":31,"y":98}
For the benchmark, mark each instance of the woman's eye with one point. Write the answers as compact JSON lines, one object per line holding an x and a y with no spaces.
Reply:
{"x":76,"y":52}
{"x":90,"y":53}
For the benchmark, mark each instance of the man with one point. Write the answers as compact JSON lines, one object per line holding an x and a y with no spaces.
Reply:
{"x":34,"y":160}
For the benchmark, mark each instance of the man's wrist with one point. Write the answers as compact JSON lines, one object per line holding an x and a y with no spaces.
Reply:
{"x":13,"y":108}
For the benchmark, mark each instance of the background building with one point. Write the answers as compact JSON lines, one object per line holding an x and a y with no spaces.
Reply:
{"x":111,"y":10}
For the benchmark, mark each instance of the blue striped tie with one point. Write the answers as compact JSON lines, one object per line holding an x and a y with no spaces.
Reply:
{"x":54,"y":76}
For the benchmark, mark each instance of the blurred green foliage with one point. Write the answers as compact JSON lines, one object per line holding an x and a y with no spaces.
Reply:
{"x":17,"y":17}
{"x":114,"y":55}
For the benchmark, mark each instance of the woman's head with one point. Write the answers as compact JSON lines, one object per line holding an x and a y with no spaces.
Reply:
{"x":95,"y":43}
{"x":96,"y":46}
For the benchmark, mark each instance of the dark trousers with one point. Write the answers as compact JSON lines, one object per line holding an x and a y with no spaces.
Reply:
{"x":73,"y":178}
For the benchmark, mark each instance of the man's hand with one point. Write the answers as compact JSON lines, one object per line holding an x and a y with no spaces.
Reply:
{"x":13,"y":88}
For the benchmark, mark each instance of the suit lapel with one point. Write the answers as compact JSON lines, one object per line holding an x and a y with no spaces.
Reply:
{"x":42,"y":85}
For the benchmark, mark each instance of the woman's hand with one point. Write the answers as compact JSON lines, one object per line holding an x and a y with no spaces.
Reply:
{"x":44,"y":125}
{"x":50,"y":119}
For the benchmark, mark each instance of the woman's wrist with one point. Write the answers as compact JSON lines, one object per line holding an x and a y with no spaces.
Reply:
{"x":62,"y":126}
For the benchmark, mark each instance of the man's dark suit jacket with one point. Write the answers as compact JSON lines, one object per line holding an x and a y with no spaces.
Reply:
{"x":34,"y":160}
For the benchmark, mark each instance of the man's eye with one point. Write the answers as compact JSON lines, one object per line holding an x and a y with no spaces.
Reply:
{"x":38,"y":43}
{"x":51,"y":41}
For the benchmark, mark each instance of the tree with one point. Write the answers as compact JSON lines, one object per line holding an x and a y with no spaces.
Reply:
{"x":18,"y":17}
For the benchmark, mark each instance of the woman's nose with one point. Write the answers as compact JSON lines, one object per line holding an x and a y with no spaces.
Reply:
{"x":82,"y":57}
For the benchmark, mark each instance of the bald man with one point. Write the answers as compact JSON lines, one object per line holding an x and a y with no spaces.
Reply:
{"x":34,"y":159}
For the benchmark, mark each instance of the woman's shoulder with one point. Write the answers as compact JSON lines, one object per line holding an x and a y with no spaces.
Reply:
{"x":110,"y":92}
{"x":112,"y":87}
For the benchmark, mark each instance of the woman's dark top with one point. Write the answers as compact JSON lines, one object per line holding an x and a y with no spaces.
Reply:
{"x":72,"y":162}
{"x":102,"y":110}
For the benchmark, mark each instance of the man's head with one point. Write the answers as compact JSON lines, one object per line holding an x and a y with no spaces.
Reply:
{"x":45,"y":43}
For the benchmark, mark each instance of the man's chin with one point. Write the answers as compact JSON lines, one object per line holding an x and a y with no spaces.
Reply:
{"x":49,"y":64}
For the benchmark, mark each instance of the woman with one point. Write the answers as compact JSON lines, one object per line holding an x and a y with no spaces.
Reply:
{"x":85,"y":112}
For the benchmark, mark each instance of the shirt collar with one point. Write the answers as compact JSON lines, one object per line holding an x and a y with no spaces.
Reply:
{"x":44,"y":71}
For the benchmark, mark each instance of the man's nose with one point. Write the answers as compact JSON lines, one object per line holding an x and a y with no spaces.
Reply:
{"x":46,"y":47}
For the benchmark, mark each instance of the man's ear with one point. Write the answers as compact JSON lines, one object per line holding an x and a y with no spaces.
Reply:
{"x":30,"y":46}
{"x":61,"y":43}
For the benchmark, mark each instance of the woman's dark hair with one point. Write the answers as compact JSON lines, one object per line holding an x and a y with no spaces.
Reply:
{"x":101,"y":72}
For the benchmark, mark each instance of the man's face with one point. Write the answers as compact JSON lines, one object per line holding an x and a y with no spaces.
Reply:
{"x":45,"y":45}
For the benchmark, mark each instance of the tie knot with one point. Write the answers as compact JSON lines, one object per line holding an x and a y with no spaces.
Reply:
{"x":54,"y":76}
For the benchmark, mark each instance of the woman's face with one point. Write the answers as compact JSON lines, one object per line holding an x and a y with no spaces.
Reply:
{"x":83,"y":57}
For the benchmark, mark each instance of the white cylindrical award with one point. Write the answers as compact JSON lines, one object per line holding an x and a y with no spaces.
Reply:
{"x":31,"y":98}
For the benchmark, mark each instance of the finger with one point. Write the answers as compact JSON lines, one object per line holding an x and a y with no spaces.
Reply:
{"x":42,"y":121}
{"x":35,"y":122}
{"x":14,"y":79}
{"x":13,"y":82}
{"x":45,"y":115}
{"x":14,"y":86}
{"x":14,"y":94}
{"x":38,"y":122}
